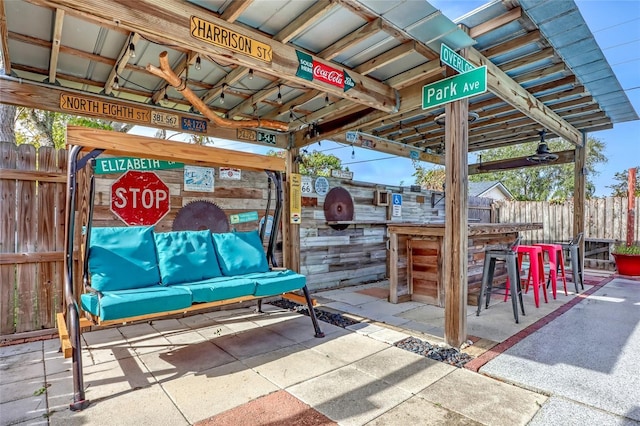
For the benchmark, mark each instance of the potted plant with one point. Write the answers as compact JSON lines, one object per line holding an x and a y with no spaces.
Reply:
{"x":627,"y":258}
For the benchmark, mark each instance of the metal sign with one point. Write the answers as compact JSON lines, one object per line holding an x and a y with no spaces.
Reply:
{"x":309,"y":69}
{"x":243,"y":217}
{"x":228,"y":39}
{"x":95,"y":107}
{"x":230,"y":173}
{"x":122,"y":164}
{"x":140,"y":198}
{"x":194,"y":125}
{"x":321,"y":186}
{"x":455,"y":61}
{"x":306,"y":185}
{"x":396,"y":200}
{"x":341,"y":174}
{"x":450,"y":89}
{"x":165,"y":119}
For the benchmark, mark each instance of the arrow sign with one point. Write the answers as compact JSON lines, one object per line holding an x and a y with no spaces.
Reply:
{"x":455,"y":61}
{"x":450,"y":89}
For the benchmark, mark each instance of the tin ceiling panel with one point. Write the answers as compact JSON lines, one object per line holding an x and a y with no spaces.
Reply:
{"x":367,"y":49}
{"x":271,"y":16}
{"x":333,"y":26}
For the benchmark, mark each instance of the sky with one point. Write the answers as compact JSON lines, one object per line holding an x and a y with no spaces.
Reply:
{"x":615,"y":25}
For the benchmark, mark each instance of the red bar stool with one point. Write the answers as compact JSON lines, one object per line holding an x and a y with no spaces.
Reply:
{"x":536,"y":272}
{"x":556,"y":264}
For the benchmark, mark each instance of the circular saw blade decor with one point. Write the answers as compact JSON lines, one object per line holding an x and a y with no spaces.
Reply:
{"x":338,"y":207}
{"x":200,"y":215}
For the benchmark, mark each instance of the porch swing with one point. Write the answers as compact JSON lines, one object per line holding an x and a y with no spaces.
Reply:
{"x":118,"y":290}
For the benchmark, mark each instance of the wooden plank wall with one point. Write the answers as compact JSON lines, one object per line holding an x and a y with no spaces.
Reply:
{"x":31,"y":236}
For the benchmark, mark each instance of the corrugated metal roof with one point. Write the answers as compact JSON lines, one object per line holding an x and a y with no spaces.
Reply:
{"x":548,"y":50}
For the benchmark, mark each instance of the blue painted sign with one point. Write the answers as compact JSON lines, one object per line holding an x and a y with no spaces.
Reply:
{"x":194,"y":125}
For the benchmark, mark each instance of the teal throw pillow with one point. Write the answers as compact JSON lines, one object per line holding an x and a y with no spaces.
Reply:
{"x":240,"y":253}
{"x":186,"y":256}
{"x":122,"y":258}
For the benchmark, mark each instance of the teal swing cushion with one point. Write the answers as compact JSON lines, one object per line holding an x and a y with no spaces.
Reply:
{"x":240,"y":253}
{"x":122,"y":258}
{"x":186,"y":256}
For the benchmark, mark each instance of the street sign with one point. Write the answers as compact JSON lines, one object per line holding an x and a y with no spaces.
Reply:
{"x":139,"y":198}
{"x":122,"y":164}
{"x":450,"y":89}
{"x":396,"y":201}
{"x":455,"y":61}
{"x":243,"y":217}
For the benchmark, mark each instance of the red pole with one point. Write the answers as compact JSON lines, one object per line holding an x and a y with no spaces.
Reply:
{"x":631,"y":202}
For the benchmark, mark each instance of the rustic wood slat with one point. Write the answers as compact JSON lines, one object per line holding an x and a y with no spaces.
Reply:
{"x":46,"y":237}
{"x":36,"y":257}
{"x":26,"y":221}
{"x":35,"y":175}
{"x":8,"y":155}
{"x":60,"y":200}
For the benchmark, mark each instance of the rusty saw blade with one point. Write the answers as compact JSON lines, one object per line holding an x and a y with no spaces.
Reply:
{"x":199,"y":215}
{"x":338,"y":207}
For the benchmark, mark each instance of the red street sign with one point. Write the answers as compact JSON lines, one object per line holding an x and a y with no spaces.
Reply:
{"x":139,"y":198}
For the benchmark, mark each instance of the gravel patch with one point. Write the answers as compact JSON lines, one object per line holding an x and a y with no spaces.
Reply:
{"x":444,"y":354}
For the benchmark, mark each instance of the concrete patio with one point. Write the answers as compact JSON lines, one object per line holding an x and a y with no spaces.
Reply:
{"x":239,"y":367}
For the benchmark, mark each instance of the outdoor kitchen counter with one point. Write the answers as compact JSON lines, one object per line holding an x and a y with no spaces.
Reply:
{"x":416,"y":258}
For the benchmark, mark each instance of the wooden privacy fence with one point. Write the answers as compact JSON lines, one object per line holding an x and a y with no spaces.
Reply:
{"x":605,"y":223}
{"x":32,"y":187}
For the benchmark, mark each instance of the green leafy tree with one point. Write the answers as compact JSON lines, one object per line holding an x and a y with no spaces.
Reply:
{"x":315,"y":163}
{"x":431,"y":179}
{"x":47,"y":128}
{"x":545,"y":183}
{"x":620,"y":188}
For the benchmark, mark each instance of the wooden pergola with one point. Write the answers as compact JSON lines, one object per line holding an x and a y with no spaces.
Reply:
{"x":287,"y":74}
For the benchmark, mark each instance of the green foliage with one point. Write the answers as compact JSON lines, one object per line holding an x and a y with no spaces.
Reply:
{"x":620,"y":188}
{"x":633,"y":249}
{"x":545,"y":183}
{"x":431,"y":179}
{"x":315,"y":163}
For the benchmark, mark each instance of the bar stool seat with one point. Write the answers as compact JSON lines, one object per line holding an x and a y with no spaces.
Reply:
{"x":536,"y":271}
{"x":509,"y":256}
{"x":556,"y":265}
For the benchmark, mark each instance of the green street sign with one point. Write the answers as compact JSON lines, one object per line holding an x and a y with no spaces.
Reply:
{"x":450,"y":89}
{"x":455,"y":61}
{"x":243,"y":217}
{"x":122,"y":164}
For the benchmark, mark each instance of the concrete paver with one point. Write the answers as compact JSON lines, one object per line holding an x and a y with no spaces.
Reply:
{"x":349,"y":396}
{"x":565,"y":412}
{"x":483,"y":399}
{"x":417,"y":411}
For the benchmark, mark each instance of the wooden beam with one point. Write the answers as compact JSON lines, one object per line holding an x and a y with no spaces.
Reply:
{"x":55,"y":45}
{"x":456,"y":229}
{"x":33,"y":175}
{"x":39,"y":257}
{"x":121,"y":63}
{"x":513,"y":44}
{"x":304,"y":21}
{"x":511,"y":92}
{"x":151,"y":18}
{"x":362,"y":33}
{"x":139,"y":146}
{"x":235,"y":9}
{"x":49,"y":98}
{"x":580,"y":190}
{"x":4,"y":39}
{"x":497,"y":22}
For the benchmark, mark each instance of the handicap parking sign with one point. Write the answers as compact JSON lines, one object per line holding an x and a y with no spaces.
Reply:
{"x":397,"y":199}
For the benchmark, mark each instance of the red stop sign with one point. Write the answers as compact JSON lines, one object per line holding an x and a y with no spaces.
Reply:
{"x":139,"y":198}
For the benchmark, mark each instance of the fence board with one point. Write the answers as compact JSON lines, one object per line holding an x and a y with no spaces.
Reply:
{"x":60,"y":199}
{"x":46,"y":239}
{"x":27,"y":211}
{"x":7,"y":239}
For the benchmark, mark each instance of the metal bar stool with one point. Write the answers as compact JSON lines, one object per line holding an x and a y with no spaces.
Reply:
{"x":556,"y":265}
{"x":536,"y":271}
{"x":509,"y":256}
{"x":573,"y":248}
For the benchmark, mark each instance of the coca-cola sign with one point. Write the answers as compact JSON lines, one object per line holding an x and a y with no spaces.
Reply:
{"x":310,"y":70}
{"x":328,"y":75}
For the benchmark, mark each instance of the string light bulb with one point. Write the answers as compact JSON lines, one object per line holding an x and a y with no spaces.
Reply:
{"x":116,"y":83}
{"x":198,"y":63}
{"x":326,"y":100}
{"x":353,"y":153}
{"x":250,"y":74}
{"x":291,"y":117}
{"x":279,"y":98}
{"x":224,"y":85}
{"x":165,"y":99}
{"x":132,"y":50}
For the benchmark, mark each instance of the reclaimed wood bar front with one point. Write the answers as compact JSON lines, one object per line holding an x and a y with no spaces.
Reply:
{"x":416,"y":258}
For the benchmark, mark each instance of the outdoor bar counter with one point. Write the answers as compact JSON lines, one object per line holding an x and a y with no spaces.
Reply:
{"x":416,"y":258}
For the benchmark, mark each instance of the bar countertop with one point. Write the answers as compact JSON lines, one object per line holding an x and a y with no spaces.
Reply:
{"x":437,"y":229}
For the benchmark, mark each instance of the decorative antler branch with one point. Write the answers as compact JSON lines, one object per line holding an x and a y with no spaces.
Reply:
{"x":167,"y":74}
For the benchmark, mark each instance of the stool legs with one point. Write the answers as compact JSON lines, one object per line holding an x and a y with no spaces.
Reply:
{"x":576,"y":267}
{"x":513,"y":276}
